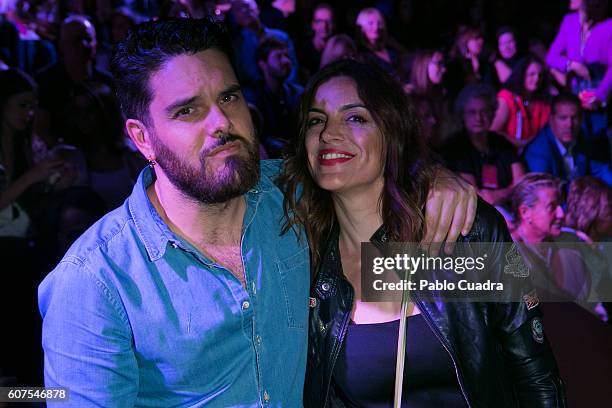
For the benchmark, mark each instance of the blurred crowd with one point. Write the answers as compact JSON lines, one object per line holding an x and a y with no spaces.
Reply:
{"x":512,"y":95}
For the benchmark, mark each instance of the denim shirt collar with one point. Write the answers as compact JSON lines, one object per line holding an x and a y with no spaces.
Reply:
{"x":155,"y":233}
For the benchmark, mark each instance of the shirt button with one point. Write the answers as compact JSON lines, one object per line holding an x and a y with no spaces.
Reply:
{"x":174,"y":245}
{"x":245,"y":305}
{"x":258,"y":339}
{"x":266,"y":396}
{"x":325,"y":286}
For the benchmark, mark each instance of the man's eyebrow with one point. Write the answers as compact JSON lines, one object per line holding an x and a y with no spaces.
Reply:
{"x":231,"y":89}
{"x":180,"y":103}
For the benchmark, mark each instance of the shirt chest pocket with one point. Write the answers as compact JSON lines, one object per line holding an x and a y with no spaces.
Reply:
{"x":294,"y":279}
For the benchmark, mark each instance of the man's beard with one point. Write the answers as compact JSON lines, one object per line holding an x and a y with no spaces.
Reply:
{"x":233,"y":178}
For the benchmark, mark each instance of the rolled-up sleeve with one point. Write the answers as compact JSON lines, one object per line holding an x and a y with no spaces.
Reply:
{"x":87,"y":339}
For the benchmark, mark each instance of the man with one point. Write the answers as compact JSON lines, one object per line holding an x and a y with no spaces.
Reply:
{"x":276,"y":97}
{"x":559,"y":149}
{"x":323,"y":26}
{"x":188,"y":294}
{"x":249,"y":32}
{"x":77,"y":45}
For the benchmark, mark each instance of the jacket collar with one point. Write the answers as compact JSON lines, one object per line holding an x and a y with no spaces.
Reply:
{"x":330,"y":271}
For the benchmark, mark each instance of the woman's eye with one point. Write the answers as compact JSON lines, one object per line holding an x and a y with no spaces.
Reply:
{"x":357,"y":118}
{"x":313,"y":122}
{"x":186,"y":111}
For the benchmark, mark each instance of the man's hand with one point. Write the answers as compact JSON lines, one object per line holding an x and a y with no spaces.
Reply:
{"x":450,"y":210}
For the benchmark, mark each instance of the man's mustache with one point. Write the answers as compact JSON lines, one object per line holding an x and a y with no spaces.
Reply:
{"x":223,"y":139}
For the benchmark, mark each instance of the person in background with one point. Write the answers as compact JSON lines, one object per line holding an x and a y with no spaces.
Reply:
{"x":97,"y":131}
{"x":248,"y":32}
{"x":21,"y":181}
{"x":371,"y":39}
{"x":589,"y":209}
{"x":427,"y":81}
{"x":581,"y":55}
{"x":468,"y":62}
{"x":523,"y":106}
{"x":507,"y":55}
{"x":363,"y":172}
{"x":78,"y":45}
{"x":309,"y":51}
{"x":482,"y":157}
{"x":276,"y":97}
{"x":561,"y":149}
{"x":339,"y":47}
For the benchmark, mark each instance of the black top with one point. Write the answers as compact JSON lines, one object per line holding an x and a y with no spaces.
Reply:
{"x":462,"y":157}
{"x":365,"y":369}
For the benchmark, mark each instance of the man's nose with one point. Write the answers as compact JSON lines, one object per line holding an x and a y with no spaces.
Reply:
{"x":217,"y":122}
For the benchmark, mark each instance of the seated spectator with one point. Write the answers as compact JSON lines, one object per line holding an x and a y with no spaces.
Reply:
{"x":468,"y":62}
{"x":589,"y":209}
{"x":19,"y":178}
{"x":338,"y":47}
{"x":482,"y":157}
{"x":523,"y":105}
{"x":249,"y":31}
{"x":276,"y":97}
{"x":309,"y":51}
{"x":97,"y":130}
{"x":561,"y":150}
{"x":372,"y":40}
{"x":77,"y":46}
{"x":507,"y":55}
{"x":426,"y":79}
{"x":424,"y":110}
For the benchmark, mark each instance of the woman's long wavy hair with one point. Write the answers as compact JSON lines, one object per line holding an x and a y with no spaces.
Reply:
{"x":408,"y":167}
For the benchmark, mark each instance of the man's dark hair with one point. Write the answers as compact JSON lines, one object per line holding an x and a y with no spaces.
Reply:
{"x":266,"y":46}
{"x":150,"y":45}
{"x":563,"y":98}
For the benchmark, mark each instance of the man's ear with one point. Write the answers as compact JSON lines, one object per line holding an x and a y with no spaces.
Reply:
{"x":140,"y":137}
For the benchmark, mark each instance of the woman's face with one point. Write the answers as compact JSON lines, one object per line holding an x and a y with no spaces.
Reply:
{"x":343,"y":143}
{"x":19,"y":110}
{"x":507,"y":45}
{"x":477,"y":116}
{"x":575,"y":4}
{"x":545,"y":217}
{"x":474,"y":45}
{"x":373,"y":27}
{"x":436,"y":68}
{"x":533,"y":77}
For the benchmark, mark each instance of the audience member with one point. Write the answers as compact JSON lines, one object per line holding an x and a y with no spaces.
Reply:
{"x":482,"y":157}
{"x":523,"y":106}
{"x":372,"y":36}
{"x":275,"y":97}
{"x":560,"y":148}
{"x":507,"y":55}
{"x":339,"y":47}
{"x":309,"y":51}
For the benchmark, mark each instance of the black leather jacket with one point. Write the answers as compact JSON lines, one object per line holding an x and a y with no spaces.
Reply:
{"x":498,"y":362}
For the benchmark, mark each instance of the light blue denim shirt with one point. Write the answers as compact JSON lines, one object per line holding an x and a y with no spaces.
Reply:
{"x":135,"y":316}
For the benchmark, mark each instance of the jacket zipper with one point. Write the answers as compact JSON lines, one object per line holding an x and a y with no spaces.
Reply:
{"x":446,"y":347}
{"x":338,"y":344}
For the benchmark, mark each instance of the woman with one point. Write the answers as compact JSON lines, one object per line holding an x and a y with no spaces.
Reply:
{"x":468,"y":62}
{"x":482,"y":157}
{"x":372,"y":39}
{"x":364,"y":173}
{"x":426,"y":83}
{"x":338,"y":47}
{"x":507,"y":55}
{"x":112,"y":168}
{"x":523,"y":105}
{"x":580,"y":56}
{"x":17,"y":176}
